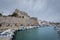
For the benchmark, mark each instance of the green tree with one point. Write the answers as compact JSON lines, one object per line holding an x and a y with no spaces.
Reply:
{"x":14,"y":14}
{"x":0,"y":14}
{"x":9,"y":15}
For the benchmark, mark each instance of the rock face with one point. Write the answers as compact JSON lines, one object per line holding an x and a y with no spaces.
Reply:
{"x":23,"y":19}
{"x":5,"y":38}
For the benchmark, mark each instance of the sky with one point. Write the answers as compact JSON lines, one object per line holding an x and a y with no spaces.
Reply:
{"x":48,"y":10}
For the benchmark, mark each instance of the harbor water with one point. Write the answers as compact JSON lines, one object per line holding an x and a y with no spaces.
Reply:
{"x":41,"y":33}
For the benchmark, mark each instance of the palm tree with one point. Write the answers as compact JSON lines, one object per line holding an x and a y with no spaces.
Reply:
{"x":9,"y":15}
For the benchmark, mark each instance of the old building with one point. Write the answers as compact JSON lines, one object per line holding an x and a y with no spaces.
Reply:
{"x":23,"y":19}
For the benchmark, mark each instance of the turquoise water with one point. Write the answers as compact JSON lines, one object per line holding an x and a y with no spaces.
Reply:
{"x":42,"y":33}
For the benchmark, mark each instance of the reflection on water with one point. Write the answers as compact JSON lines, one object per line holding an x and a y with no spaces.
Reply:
{"x":42,"y":33}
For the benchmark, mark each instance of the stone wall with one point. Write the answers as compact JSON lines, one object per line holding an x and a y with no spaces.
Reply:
{"x":23,"y":19}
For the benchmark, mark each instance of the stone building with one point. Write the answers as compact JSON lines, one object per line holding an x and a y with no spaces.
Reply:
{"x":23,"y":19}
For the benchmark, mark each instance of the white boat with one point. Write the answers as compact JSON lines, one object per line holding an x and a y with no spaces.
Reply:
{"x":7,"y":33}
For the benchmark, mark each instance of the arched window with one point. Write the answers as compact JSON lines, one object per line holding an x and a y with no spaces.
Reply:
{"x":22,"y":16}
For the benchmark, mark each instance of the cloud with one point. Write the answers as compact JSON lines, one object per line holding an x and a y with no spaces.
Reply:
{"x":43,"y":9}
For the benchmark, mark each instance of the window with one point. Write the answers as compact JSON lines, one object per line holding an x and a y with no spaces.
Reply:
{"x":22,"y":16}
{"x":21,"y":24}
{"x":15,"y":24}
{"x":8,"y":24}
